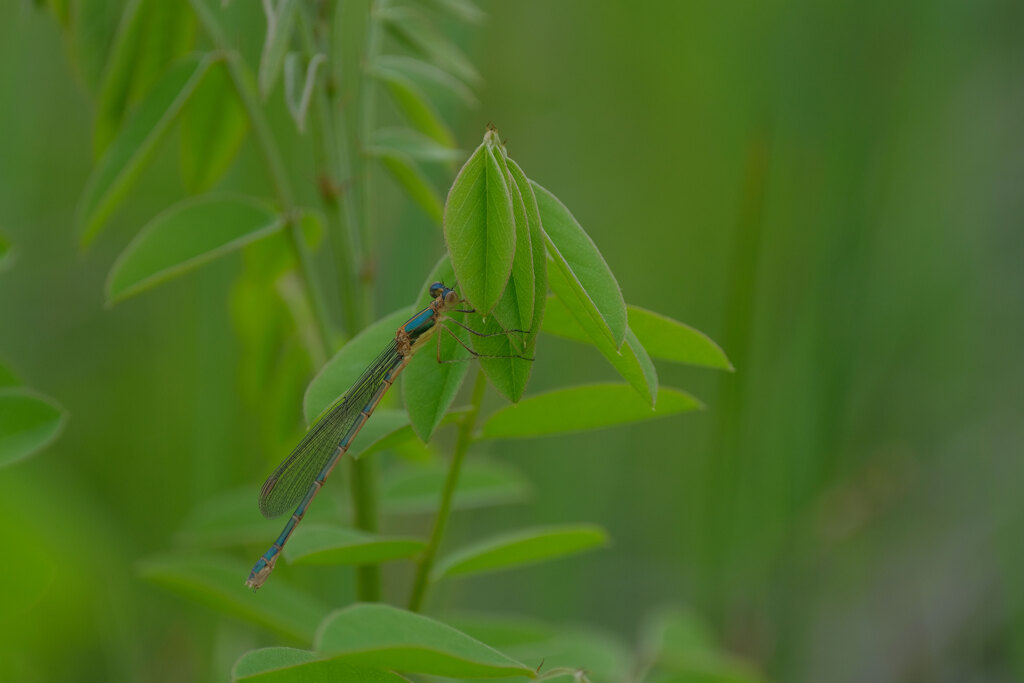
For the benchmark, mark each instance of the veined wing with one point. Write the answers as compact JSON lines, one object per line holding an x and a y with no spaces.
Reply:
{"x":283,"y":489}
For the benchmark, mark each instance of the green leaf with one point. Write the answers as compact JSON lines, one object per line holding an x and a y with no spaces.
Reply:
{"x":521,"y":548}
{"x":536,"y":241}
{"x":672,"y":340}
{"x":681,"y":643}
{"x":151,"y":36}
{"x":429,"y":387}
{"x":407,"y":174}
{"x":280,"y":23}
{"x":135,"y":143}
{"x":514,"y":310}
{"x":504,"y":631}
{"x":508,"y":368}
{"x":428,"y":77}
{"x":415,"y":105}
{"x":230,"y":519}
{"x":380,"y":430}
{"x":93,"y":27}
{"x":417,"y":489}
{"x":479,"y":228}
{"x":411,"y":144}
{"x":7,"y":253}
{"x":331,"y":544}
{"x":29,"y":422}
{"x":559,"y":322}
{"x":186,"y":235}
{"x":217,"y":582}
{"x":288,"y":665}
{"x":376,"y":635}
{"x":341,"y":371}
{"x":398,"y":436}
{"x":409,"y":27}
{"x":631,"y":360}
{"x":213,"y":127}
{"x":582,"y":408}
{"x":227,"y":519}
{"x":594,"y":290}
{"x":569,"y":649}
{"x":523,"y":302}
{"x":603,"y":656}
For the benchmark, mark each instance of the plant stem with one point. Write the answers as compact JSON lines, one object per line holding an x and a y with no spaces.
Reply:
{"x":367,"y":97}
{"x":363,"y":487}
{"x":275,"y":167}
{"x":363,"y":473}
{"x":462,"y":442}
{"x":334,"y":169}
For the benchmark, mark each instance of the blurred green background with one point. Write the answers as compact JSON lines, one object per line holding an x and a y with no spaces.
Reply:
{"x":832,"y":191}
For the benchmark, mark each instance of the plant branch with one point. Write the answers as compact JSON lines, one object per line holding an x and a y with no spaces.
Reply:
{"x":462,"y":443}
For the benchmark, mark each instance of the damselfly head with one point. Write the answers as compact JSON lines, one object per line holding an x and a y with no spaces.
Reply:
{"x":436,"y":290}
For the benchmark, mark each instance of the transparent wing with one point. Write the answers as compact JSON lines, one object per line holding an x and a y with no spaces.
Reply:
{"x":285,"y":488}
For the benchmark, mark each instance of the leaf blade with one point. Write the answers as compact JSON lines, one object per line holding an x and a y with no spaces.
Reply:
{"x":333,"y":545}
{"x":479,"y":228}
{"x":408,"y":27}
{"x":129,"y":152}
{"x":289,"y":665}
{"x":429,"y":77}
{"x":631,"y":361}
{"x":413,"y":144}
{"x":213,"y":127}
{"x":416,"y":490}
{"x":216,"y":582}
{"x":408,"y":175}
{"x":430,"y":387}
{"x":29,"y":422}
{"x":520,"y":548}
{"x":523,"y":304}
{"x":187,"y":235}
{"x":152,"y":34}
{"x":275,"y":44}
{"x":582,"y":408}
{"x":415,"y":105}
{"x":674,"y":341}
{"x":591,"y":281}
{"x":381,"y":635}
{"x":337,"y":375}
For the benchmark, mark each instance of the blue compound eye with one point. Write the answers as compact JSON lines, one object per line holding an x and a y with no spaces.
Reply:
{"x":436,"y":290}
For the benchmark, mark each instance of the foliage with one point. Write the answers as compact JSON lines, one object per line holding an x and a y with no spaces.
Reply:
{"x":167,"y":67}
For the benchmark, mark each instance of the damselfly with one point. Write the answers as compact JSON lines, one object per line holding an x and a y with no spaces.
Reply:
{"x":297,"y":480}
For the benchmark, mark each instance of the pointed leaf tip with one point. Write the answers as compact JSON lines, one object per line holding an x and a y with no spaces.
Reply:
{"x":186,"y":235}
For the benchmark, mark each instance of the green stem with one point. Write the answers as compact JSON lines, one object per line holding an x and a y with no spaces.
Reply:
{"x":368,"y":99}
{"x":275,"y":167}
{"x":462,"y":442}
{"x":363,"y":479}
{"x":334,"y":170}
{"x":363,"y":486}
{"x":316,"y":300}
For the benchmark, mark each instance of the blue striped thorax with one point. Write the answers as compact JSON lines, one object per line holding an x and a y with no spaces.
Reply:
{"x":427,"y":318}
